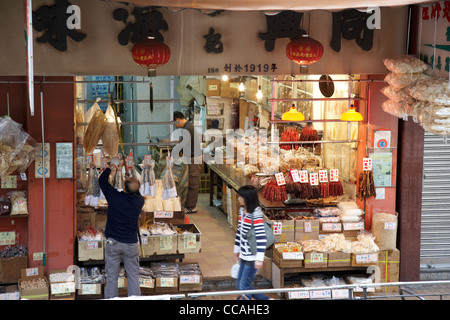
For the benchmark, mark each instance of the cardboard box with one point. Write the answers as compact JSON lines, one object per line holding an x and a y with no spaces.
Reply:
{"x":315,"y":260}
{"x":91,"y":250}
{"x":351,"y":234}
{"x":229,"y":89}
{"x":170,"y":217}
{"x":10,"y":292}
{"x":27,"y":274}
{"x":288,"y":259}
{"x":389,"y":264}
{"x":364,"y":259}
{"x":164,"y":244}
{"x":190,"y":283}
{"x":166,"y":285}
{"x":339,"y":259}
{"x":212,"y":88}
{"x":147,"y":285}
{"x":61,"y":290}
{"x":306,"y":230}
{"x":146,"y":247}
{"x":283,"y":229}
{"x":189,"y":242}
{"x":90,"y":289}
{"x":10,"y":268}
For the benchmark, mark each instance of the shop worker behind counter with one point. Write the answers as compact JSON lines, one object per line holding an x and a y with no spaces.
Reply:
{"x":194,"y":158}
{"x":121,"y":232}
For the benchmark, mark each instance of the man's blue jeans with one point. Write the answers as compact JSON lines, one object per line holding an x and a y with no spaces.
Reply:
{"x":246,"y":275}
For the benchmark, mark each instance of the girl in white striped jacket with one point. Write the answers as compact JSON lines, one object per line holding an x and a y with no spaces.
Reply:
{"x":250,"y":262}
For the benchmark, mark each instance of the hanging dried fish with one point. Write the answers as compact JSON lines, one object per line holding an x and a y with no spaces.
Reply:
{"x":366,"y":185}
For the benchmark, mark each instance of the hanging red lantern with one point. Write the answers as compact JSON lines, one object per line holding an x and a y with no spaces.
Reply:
{"x":304,"y":51}
{"x":151,"y":53}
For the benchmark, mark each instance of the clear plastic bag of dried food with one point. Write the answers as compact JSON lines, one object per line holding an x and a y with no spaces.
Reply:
{"x":384,"y":229}
{"x":19,"y":202}
{"x":93,"y":191}
{"x":12,"y":139}
{"x":405,"y":64}
{"x":148,"y":185}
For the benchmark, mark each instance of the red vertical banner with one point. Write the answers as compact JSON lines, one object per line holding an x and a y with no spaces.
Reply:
{"x":28,"y":19}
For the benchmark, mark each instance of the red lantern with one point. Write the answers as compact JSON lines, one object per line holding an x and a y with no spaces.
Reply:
{"x":304,"y":51}
{"x":151,"y":54}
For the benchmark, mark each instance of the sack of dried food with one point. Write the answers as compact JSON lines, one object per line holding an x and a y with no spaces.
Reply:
{"x":402,"y":80}
{"x":384,"y":229}
{"x":405,"y":64}
{"x":19,"y":202}
{"x":431,"y":89}
{"x":25,"y":156}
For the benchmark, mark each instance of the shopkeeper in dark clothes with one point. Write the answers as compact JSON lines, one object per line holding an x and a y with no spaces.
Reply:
{"x":121,"y":232}
{"x":194,"y":159}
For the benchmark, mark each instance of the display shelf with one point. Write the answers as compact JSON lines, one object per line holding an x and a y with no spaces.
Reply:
{"x":15,"y":216}
{"x":154,"y":258}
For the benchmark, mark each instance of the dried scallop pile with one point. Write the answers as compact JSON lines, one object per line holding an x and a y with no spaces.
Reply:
{"x":412,"y":92}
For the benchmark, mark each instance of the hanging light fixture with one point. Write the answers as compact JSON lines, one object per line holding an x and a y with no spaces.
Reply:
{"x":293,"y":115}
{"x":259,"y":94}
{"x":224,"y":77}
{"x":352,"y":115}
{"x":241,"y":87}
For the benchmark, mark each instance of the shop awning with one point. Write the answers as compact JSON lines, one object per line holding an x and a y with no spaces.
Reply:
{"x":273,"y":5}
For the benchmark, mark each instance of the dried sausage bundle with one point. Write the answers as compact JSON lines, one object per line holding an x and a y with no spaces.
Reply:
{"x":290,"y":134}
{"x":366,"y":185}
{"x":273,"y":192}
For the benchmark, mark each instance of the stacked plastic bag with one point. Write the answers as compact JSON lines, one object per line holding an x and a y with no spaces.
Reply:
{"x":412,"y":92}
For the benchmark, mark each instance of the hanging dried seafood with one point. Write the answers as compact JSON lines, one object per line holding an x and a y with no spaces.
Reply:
{"x":169,"y":187}
{"x":366,"y":185}
{"x":110,"y":135}
{"x":94,"y":130}
{"x":148,"y":186}
{"x":93,"y":190}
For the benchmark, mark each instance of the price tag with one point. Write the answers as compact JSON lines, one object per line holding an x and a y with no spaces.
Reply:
{"x":304,"y":176}
{"x":147,"y":160}
{"x":323,"y":176}
{"x":340,"y":293}
{"x":390,"y":226}
{"x":30,"y":272}
{"x":169,"y":162}
{"x":121,"y":282}
{"x":145,"y":283}
{"x":295,"y":175}
{"x":129,"y":161}
{"x":190,"y":241}
{"x":144,"y":240}
{"x":353,"y":225}
{"x":329,"y":226}
{"x":62,"y":288}
{"x":320,"y":294}
{"x":316,"y":257}
{"x":314,"y":179}
{"x":280,"y":179}
{"x":89,"y":288}
{"x":293,"y":255}
{"x":167,"y":282}
{"x":366,"y":258}
{"x":104,"y":163}
{"x":190,"y":279}
{"x":91,"y":245}
{"x":307,"y":226}
{"x":163,"y":214}
{"x":7,"y":238}
{"x":334,"y":175}
{"x":367,"y":164}
{"x":165,"y":242}
{"x":9,"y":182}
{"x":277,"y":227}
{"x":298,"y":295}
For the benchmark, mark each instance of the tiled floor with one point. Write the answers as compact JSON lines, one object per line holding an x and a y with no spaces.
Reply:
{"x":216,"y":257}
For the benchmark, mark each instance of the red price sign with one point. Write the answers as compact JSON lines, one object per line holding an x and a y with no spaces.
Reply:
{"x":314,"y":179}
{"x":334,"y":175}
{"x":323,"y":176}
{"x":304,"y":176}
{"x":367,"y":164}
{"x":280,"y":179}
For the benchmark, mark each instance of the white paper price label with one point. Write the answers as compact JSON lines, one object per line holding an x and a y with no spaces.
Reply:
{"x":165,"y":242}
{"x":366,"y":258}
{"x":303,"y":176}
{"x":89,"y":288}
{"x":314,"y":179}
{"x":331,"y":226}
{"x":293,"y":255}
{"x":104,"y":163}
{"x":144,"y":240}
{"x":190,"y":279}
{"x":62,"y":288}
{"x":163,"y":214}
{"x":367,"y":164}
{"x":320,"y":294}
{"x":323,"y":176}
{"x":92,"y":245}
{"x":167,"y":282}
{"x":280,"y":179}
{"x":298,"y":294}
{"x":316,"y":257}
{"x":147,"y":160}
{"x":295,"y":175}
{"x":277,"y":227}
{"x":145,"y":283}
{"x":353,"y":225}
{"x":30,"y":272}
{"x":307,"y":226}
{"x":390,"y":226}
{"x":190,"y":241}
{"x":334,"y":175}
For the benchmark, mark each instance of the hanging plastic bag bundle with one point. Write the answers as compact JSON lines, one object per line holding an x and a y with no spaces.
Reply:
{"x":148,"y":186}
{"x":25,"y":156}
{"x":95,"y":129}
{"x":118,"y":178}
{"x":110,"y":135}
{"x":93,"y":190}
{"x":169,"y":187}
